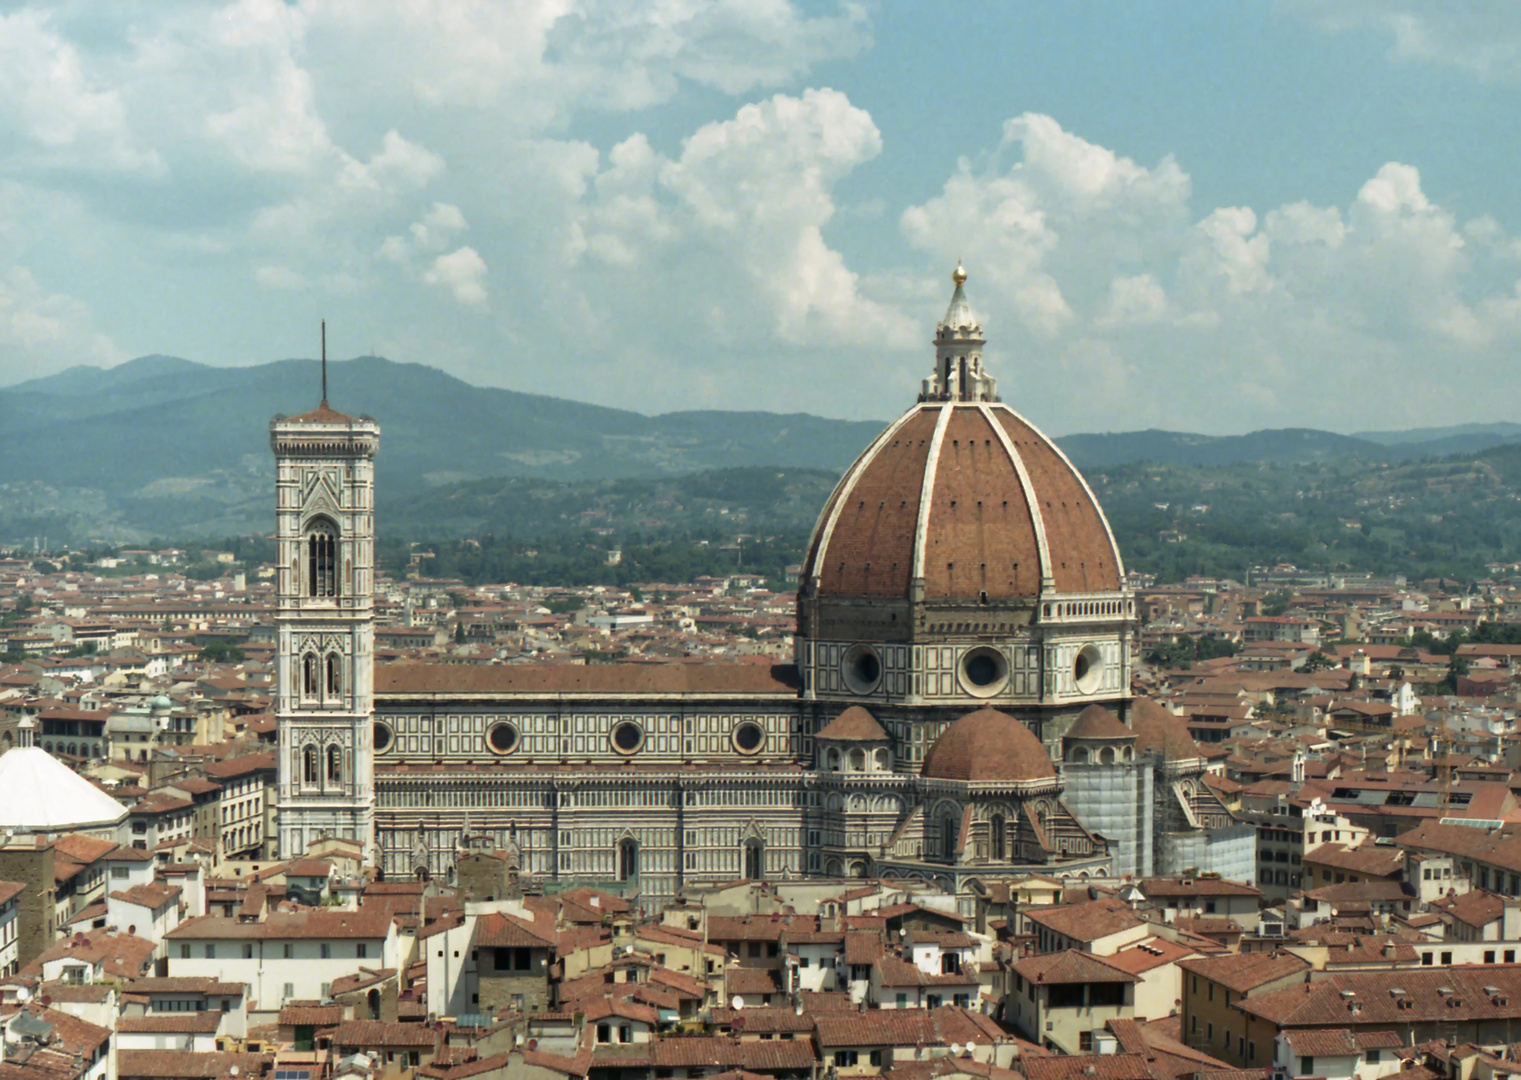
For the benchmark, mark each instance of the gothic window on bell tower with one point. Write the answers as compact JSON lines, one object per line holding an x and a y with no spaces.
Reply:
{"x":334,"y":764}
{"x":310,"y":684}
{"x":322,"y":558}
{"x":309,"y":765}
{"x":334,"y":676}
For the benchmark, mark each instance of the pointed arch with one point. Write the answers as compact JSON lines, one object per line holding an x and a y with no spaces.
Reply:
{"x":628,"y":859}
{"x":309,"y":681}
{"x":309,"y":774}
{"x":998,"y":836}
{"x":755,"y":859}
{"x":321,"y":543}
{"x":334,"y":764}
{"x":333,"y":676}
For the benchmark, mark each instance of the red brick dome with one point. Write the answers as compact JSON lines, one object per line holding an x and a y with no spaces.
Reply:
{"x":988,"y":746}
{"x":971,"y":498}
{"x":1097,"y":722}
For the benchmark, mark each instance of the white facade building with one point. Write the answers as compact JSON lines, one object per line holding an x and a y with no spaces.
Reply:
{"x":287,"y":957}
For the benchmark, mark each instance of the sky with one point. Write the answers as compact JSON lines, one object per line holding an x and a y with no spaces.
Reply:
{"x":1186,"y":215}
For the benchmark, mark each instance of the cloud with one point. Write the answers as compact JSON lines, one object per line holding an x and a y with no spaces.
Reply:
{"x":463,"y":273}
{"x":549,"y":58}
{"x":1479,"y":36}
{"x":737,"y":220}
{"x":1096,"y":272}
{"x":1052,"y":230}
{"x":38,"y":327}
{"x":59,"y":112}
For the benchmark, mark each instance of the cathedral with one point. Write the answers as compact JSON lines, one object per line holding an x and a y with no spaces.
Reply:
{"x":958,"y":711}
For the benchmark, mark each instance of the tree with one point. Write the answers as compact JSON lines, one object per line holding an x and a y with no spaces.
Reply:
{"x":459,"y":633}
{"x":1275,"y":603}
{"x":220,"y":652}
{"x":1317,"y":661}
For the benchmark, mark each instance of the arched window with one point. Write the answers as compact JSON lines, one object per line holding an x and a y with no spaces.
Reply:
{"x":334,"y":765}
{"x":948,"y":837}
{"x":1106,"y":756}
{"x":997,"y":830}
{"x":309,"y":765}
{"x":858,"y":760}
{"x":322,"y":559}
{"x":334,"y":676}
{"x":309,"y":675}
{"x":755,"y":860}
{"x":832,"y":760}
{"x":883,"y":762}
{"x":628,"y":859}
{"x":1129,"y":754}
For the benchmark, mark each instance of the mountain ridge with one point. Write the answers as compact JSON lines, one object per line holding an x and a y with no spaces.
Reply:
{"x":160,"y":444}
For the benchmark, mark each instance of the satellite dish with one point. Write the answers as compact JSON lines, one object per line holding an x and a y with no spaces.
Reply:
{"x":738,"y":1002}
{"x":955,"y":1049}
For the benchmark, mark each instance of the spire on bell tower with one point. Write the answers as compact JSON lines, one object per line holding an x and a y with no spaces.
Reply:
{"x":958,"y":353}
{"x":324,"y":361}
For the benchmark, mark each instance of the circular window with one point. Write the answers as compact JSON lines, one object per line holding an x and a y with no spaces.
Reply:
{"x":383,"y":737}
{"x":984,"y":671}
{"x":748,"y":738}
{"x":502,"y":738}
{"x":862,"y":669}
{"x":627,"y":737}
{"x":1087,"y":669}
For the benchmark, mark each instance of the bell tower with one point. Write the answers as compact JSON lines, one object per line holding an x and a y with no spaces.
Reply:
{"x":325,"y":554}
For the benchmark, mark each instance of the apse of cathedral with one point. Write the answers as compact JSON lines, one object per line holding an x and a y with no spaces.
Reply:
{"x":958,"y":711}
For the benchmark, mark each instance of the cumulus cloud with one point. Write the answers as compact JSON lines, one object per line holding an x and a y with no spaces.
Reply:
{"x":743,"y":209}
{"x":1053,"y":229}
{"x":463,"y":273}
{"x":1095,"y":272}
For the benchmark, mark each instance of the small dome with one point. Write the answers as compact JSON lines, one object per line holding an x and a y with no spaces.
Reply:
{"x":1157,"y":729}
{"x":855,"y":724}
{"x":988,"y":746}
{"x":161,"y":702}
{"x":1097,"y":722}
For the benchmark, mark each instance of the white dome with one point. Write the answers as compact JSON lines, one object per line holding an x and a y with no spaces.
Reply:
{"x":38,"y":793}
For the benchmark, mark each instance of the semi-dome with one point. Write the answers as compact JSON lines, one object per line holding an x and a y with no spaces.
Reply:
{"x":855,"y":724}
{"x":988,"y":746}
{"x":39,"y":794}
{"x":1097,"y":722}
{"x":961,"y":499}
{"x":1157,"y":729}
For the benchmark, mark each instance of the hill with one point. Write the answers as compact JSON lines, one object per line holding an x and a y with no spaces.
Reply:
{"x":162,"y":446}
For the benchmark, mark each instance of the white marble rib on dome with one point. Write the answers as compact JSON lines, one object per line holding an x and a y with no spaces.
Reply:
{"x":38,"y":793}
